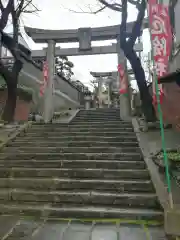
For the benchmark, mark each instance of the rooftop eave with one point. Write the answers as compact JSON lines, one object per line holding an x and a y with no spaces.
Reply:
{"x":171,"y":77}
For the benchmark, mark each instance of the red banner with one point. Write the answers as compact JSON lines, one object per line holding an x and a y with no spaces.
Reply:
{"x":45,"y":78}
{"x":161,"y":37}
{"x":123,"y":79}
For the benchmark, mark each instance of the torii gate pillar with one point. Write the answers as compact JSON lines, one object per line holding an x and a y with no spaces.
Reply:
{"x":48,"y":96}
{"x":125,"y":110}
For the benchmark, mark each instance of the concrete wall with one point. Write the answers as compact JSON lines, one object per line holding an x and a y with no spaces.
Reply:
{"x":66,"y":95}
{"x":67,"y":88}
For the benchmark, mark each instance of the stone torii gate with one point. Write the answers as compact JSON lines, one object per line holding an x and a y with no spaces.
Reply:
{"x":125,"y":111}
{"x":99,"y":76}
{"x":84,"y":36}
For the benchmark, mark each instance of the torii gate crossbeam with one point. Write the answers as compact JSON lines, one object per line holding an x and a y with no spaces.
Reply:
{"x":72,"y":35}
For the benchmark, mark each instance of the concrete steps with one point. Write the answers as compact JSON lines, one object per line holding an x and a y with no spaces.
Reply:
{"x":113,"y":164}
{"x":73,"y":144}
{"x":54,"y":183}
{"x":90,"y":168}
{"x":77,"y":138}
{"x":75,"y":173}
{"x":80,"y":211}
{"x":80,"y":129}
{"x":76,"y":156}
{"x":70,"y":149}
{"x":87,"y":124}
{"x":81,"y":197}
{"x":112,"y":133}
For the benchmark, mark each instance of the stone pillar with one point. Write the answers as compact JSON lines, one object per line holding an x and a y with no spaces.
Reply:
{"x":125,"y":111}
{"x":109,"y":98}
{"x":87,"y":102}
{"x":100,"y":82}
{"x":48,"y":96}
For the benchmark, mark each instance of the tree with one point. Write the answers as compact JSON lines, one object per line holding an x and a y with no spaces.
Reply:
{"x":127,"y":45}
{"x":94,"y":84}
{"x":12,"y":11}
{"x":64,"y":67}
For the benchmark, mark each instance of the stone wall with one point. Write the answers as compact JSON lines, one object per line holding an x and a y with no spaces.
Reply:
{"x":31,"y":75}
{"x":67,"y":88}
{"x":171,"y":103}
{"x":22,"y":106}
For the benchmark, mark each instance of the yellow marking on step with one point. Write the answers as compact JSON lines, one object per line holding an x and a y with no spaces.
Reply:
{"x":11,"y":230}
{"x":146,"y":230}
{"x":112,"y":220}
{"x":37,"y":230}
{"x":116,"y":220}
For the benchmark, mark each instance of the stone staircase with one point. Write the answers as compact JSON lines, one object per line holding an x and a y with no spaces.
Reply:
{"x":91,"y":168}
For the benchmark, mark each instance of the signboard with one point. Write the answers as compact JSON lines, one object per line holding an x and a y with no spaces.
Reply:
{"x":123,"y":79}
{"x":84,"y":35}
{"x":45,"y":78}
{"x":161,"y":37}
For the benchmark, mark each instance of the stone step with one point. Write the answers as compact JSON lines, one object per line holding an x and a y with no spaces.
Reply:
{"x":83,"y":197}
{"x":116,"y":121}
{"x":109,"y":164}
{"x":80,"y":212}
{"x":69,"y":143}
{"x":105,"y":115}
{"x":78,"y":133}
{"x":75,"y":173}
{"x":80,"y":129}
{"x":75,"y":156}
{"x":95,"y":138}
{"x":100,"y":110}
{"x":92,"y":120}
{"x":99,"y":114}
{"x":109,"y":122}
{"x":82,"y":126}
{"x":63,"y":149}
{"x":55,"y":184}
{"x":97,"y":118}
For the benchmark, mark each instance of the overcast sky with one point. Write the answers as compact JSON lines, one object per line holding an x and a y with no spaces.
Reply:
{"x":57,"y":14}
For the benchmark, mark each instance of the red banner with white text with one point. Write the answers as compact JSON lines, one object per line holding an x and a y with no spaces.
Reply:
{"x":123,"y":79}
{"x":45,"y":78}
{"x":161,"y":37}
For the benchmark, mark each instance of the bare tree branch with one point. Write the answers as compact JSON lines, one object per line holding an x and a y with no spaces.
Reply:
{"x":136,"y":30}
{"x":88,"y":12}
{"x":123,"y":33}
{"x":1,"y":6}
{"x":19,"y":8}
{"x":115,"y":6}
{"x":5,"y":13}
{"x":30,"y":3}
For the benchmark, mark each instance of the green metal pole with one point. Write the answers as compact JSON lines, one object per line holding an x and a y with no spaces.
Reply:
{"x":168,"y":179}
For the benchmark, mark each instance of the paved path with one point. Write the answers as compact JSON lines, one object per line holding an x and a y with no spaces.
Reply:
{"x":11,"y":228}
{"x":172,"y":138}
